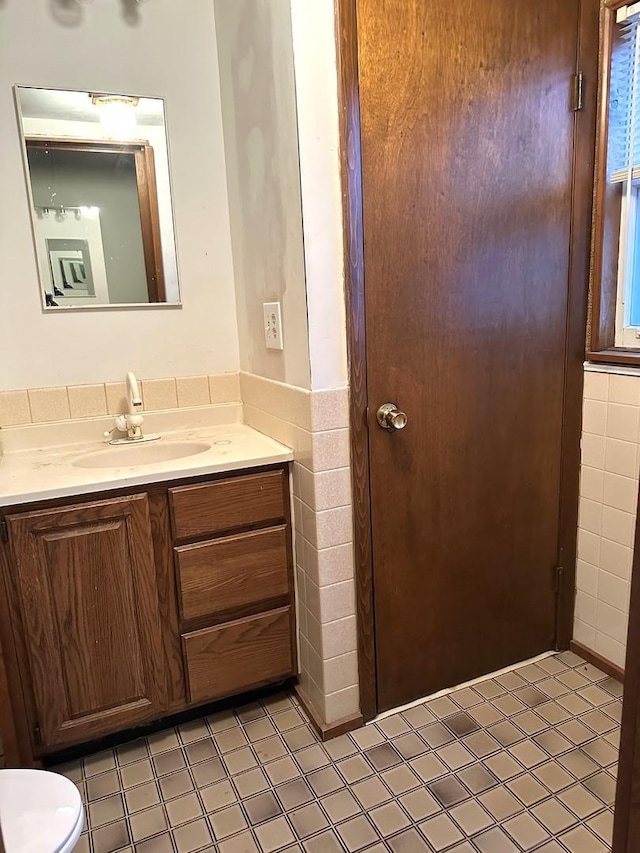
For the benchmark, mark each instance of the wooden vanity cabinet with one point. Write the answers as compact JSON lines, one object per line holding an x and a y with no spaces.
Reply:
{"x":125,"y":608}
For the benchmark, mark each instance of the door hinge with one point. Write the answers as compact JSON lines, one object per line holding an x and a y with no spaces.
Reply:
{"x":37,"y":735}
{"x":578,"y":92}
{"x":4,"y":530}
{"x":559,"y":579}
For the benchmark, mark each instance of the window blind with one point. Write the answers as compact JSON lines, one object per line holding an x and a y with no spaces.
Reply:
{"x":624,"y":99}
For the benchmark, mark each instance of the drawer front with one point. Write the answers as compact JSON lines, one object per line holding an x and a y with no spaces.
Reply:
{"x":236,"y":571}
{"x":227,"y":504}
{"x":238,"y":656}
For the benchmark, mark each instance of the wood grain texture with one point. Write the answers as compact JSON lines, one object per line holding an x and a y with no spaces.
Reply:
{"x":173,"y":669}
{"x":235,"y":572}
{"x":238,"y":655}
{"x":225,"y":505}
{"x":626,"y":827}
{"x":467,"y":160}
{"x":86,"y":579}
{"x":150,"y":223}
{"x":580,"y":251}
{"x":351,"y":165}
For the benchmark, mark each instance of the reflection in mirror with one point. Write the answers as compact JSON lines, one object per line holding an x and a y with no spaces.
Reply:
{"x":98,"y":175}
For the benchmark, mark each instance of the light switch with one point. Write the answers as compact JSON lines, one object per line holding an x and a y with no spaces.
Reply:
{"x":272,"y":325}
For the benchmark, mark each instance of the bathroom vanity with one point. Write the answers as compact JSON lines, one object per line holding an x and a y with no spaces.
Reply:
{"x":158,"y":594}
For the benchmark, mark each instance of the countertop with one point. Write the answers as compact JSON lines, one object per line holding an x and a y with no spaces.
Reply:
{"x":39,"y":473}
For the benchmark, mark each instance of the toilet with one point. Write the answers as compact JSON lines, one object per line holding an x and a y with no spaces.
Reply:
{"x":40,"y":812}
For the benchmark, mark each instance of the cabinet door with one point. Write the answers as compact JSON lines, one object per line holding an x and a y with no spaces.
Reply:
{"x":89,"y":605}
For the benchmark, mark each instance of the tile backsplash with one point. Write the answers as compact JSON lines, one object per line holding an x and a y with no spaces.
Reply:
{"x":607,"y":515}
{"x":45,"y":405}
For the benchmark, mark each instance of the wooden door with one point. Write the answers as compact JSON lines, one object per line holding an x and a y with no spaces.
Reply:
{"x":467,"y":149}
{"x":90,"y":611}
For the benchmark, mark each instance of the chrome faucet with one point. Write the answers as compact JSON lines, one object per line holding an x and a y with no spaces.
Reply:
{"x":131,"y":422}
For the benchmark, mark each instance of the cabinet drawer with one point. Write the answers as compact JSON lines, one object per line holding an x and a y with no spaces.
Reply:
{"x":236,"y":571}
{"x":227,"y":504}
{"x":237,"y":656}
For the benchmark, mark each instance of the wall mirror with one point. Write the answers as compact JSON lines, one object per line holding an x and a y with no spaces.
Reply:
{"x":100,"y":193}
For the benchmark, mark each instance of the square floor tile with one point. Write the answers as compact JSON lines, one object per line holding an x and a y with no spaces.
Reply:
{"x":192,"y":836}
{"x":400,"y":779}
{"x":477,"y":778}
{"x":461,"y":724}
{"x":409,"y":841}
{"x":455,"y":756}
{"x":294,"y":793}
{"x":436,"y":735}
{"x":440,"y":831}
{"x":428,"y":767}
{"x":370,"y":792}
{"x":500,"y":803}
{"x":553,"y":816}
{"x":184,"y":809}
{"x":553,"y":777}
{"x":389,"y":819}
{"x":506,"y":733}
{"x":581,"y":840}
{"x":357,"y":833}
{"x":109,"y":838}
{"x":448,"y":791}
{"x":603,"y":786}
{"x":410,"y":745}
{"x":218,"y":796}
{"x":471,"y":817}
{"x":581,"y":801}
{"x":262,"y":808}
{"x":149,"y":822}
{"x":420,"y":804}
{"x":528,"y":790}
{"x":274,"y":835}
{"x":495,"y":841}
{"x":227,"y":822}
{"x":326,"y":781}
{"x":309,"y":820}
{"x":525,"y":831}
{"x":382,"y":757}
{"x":340,"y":806}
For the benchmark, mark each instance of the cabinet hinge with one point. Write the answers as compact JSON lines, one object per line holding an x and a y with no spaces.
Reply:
{"x":4,"y":531}
{"x":37,"y":735}
{"x":578,"y":92}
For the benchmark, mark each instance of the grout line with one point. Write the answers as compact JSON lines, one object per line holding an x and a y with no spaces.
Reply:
{"x":457,"y":687}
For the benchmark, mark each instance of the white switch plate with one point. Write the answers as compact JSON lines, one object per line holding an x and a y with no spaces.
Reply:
{"x":272,"y":325}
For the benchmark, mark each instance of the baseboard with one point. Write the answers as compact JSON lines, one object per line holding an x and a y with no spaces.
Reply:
{"x":328,"y":731}
{"x":597,"y":661}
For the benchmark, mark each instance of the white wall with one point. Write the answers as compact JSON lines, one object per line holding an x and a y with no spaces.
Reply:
{"x":160,"y":51}
{"x":263,"y":175}
{"x":314,"y":45}
{"x":608,"y":503}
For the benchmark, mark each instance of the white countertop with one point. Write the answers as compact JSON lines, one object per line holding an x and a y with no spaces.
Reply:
{"x":29,"y":474}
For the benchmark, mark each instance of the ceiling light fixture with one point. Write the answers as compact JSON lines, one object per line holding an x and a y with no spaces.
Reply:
{"x":117,"y":114}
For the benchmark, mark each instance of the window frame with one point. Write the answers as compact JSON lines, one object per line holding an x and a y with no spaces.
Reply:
{"x":606,"y":295}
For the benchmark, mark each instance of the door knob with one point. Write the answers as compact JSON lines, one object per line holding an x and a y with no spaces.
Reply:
{"x":390,"y":417}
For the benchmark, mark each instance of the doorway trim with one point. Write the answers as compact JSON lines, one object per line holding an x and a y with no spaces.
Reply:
{"x":579,"y":267}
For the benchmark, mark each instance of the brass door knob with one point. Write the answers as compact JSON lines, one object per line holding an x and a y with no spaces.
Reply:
{"x":390,"y":417}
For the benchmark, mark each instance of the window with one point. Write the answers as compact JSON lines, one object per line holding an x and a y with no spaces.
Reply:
{"x":615,"y":327}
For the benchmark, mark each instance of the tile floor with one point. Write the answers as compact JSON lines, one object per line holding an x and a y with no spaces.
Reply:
{"x":525,"y":761}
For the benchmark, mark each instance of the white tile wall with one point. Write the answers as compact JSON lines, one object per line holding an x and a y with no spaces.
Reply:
{"x":316,"y":425}
{"x":608,"y":499}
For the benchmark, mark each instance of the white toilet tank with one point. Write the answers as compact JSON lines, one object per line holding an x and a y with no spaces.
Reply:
{"x":40,"y":812}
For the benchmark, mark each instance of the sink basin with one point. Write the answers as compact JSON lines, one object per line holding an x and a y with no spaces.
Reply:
{"x":127,"y":455}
